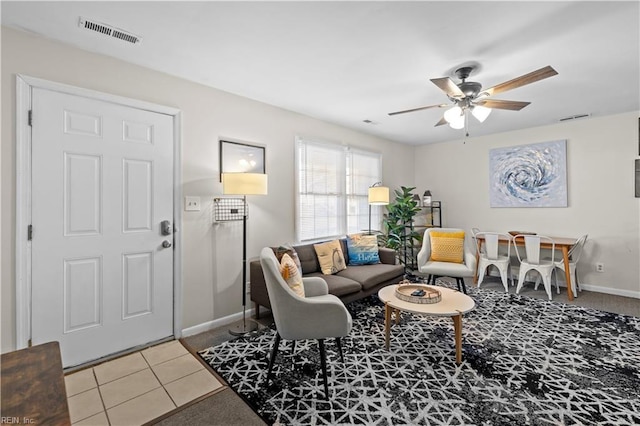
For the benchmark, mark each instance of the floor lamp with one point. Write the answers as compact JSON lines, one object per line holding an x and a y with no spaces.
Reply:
{"x":378,"y":196}
{"x":244,"y":184}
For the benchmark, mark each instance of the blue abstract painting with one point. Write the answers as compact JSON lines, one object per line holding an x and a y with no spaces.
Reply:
{"x":533,"y":175}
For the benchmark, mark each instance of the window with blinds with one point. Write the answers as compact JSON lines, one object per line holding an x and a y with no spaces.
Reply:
{"x":332,"y":183}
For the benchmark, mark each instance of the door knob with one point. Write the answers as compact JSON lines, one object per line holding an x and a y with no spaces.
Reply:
{"x":166,"y":244}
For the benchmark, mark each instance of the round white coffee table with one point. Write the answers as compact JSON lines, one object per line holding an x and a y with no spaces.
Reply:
{"x":453,"y":304}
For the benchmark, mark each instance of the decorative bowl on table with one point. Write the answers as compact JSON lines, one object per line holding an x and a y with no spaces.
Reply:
{"x":418,"y":293}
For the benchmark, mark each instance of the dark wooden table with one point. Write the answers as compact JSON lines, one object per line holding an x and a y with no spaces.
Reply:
{"x":33,"y":389}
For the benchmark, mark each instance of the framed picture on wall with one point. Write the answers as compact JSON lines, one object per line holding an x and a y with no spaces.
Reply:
{"x":241,"y":157}
{"x":533,"y":175}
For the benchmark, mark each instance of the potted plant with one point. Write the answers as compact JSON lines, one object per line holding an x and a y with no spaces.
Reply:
{"x":398,"y":226}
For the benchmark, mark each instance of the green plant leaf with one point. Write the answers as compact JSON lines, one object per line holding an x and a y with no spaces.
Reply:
{"x":398,"y":232}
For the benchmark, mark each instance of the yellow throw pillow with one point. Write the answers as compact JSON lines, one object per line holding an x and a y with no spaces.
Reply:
{"x":447,"y":246}
{"x":291,"y":275}
{"x":330,"y":257}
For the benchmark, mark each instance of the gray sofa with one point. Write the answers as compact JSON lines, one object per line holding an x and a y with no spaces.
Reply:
{"x":353,"y":283}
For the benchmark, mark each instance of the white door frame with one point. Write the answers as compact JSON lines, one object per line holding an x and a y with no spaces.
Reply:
{"x":24,"y":86}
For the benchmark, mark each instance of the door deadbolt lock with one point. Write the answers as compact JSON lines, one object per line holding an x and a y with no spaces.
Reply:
{"x":165,"y":227}
{"x":166,"y":244}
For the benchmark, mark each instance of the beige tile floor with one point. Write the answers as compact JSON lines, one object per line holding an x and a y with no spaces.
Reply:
{"x":139,"y":387}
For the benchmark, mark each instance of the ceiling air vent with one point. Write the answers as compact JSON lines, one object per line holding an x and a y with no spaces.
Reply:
{"x":108,"y":30}
{"x":574,"y":117}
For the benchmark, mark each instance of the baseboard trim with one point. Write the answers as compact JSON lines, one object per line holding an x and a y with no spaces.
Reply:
{"x":588,"y":287}
{"x":216,"y":323}
{"x":608,"y":290}
{"x":600,"y":289}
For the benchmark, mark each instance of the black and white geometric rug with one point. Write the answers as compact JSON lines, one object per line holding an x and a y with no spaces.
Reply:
{"x":525,"y":362}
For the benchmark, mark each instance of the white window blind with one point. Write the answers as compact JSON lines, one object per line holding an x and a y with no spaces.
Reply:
{"x":363,"y":170}
{"x":332,"y":183}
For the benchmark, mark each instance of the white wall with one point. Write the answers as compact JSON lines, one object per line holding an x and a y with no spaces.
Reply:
{"x":212,"y":254}
{"x":600,"y":177}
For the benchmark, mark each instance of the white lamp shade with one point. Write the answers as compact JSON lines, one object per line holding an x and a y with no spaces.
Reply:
{"x":379,"y":195}
{"x":453,"y":115}
{"x":480,"y":112}
{"x":457,"y":124}
{"x":244,"y":183}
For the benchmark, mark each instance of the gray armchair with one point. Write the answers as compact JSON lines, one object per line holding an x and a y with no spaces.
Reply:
{"x":318,"y":315}
{"x":447,"y":269}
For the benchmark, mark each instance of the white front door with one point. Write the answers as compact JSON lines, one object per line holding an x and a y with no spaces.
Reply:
{"x":102,"y":183}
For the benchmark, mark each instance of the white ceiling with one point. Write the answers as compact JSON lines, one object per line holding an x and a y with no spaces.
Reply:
{"x":349,"y":61}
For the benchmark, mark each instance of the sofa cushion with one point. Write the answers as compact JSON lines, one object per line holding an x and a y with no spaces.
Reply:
{"x":345,"y":249}
{"x":371,"y":275}
{"x":308,"y":258}
{"x":363,"y":249}
{"x":338,"y":285}
{"x":291,"y":274}
{"x":387,"y":255}
{"x":283,"y":249}
{"x":330,"y":257}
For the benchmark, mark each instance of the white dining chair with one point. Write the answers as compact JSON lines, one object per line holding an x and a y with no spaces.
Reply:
{"x":532,"y":259}
{"x":574,"y":257}
{"x":492,"y":251}
{"x":474,"y":231}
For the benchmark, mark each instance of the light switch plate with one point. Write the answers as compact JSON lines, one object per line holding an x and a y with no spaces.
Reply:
{"x":192,"y":204}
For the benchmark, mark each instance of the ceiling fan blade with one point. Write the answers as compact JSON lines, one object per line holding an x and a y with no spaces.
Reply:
{"x":448,"y":86}
{"x":418,"y":109}
{"x":500,"y":104}
{"x":441,"y":122}
{"x":523,"y":80}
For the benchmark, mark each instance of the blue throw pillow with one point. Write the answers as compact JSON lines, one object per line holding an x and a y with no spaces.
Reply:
{"x":363,"y":249}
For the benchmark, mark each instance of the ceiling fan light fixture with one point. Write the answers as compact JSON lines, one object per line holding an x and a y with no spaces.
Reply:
{"x":453,"y":115}
{"x":469,"y":98}
{"x":457,"y":124}
{"x":480,"y":113}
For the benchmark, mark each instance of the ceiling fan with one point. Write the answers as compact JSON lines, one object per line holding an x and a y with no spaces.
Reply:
{"x":468,"y":96}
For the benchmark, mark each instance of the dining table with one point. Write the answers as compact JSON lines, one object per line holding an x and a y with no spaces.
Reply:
{"x":563,"y":244}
